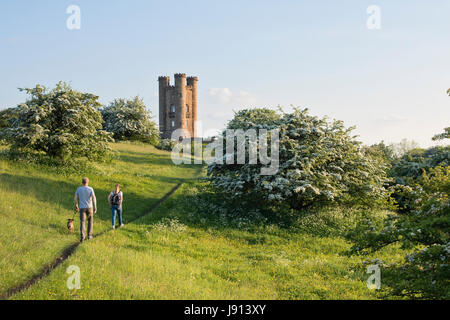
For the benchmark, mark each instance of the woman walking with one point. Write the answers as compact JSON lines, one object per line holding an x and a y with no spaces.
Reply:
{"x":115,"y":199}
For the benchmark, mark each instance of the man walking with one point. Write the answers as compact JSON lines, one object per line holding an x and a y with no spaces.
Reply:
{"x":88,"y":207}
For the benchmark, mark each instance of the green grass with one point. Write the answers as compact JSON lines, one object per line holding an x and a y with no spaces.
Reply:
{"x":179,"y":251}
{"x":37,"y":200}
{"x":175,"y":254}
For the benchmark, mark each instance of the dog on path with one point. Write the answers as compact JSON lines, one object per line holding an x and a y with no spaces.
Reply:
{"x":70,"y":225}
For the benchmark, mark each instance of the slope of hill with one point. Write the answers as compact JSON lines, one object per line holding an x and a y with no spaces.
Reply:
{"x":37,"y":200}
{"x":178,"y":251}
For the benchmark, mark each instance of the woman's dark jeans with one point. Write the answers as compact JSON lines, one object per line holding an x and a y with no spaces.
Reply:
{"x":115,"y":210}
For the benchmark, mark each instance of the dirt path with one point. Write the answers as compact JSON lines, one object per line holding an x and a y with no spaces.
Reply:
{"x":70,"y":250}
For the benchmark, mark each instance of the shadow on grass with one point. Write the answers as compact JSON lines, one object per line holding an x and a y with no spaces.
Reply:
{"x":190,"y":209}
{"x":60,"y":195}
{"x":151,"y":158}
{"x":68,"y":252}
{"x":145,"y":159}
{"x":185,"y":208}
{"x":162,"y":179}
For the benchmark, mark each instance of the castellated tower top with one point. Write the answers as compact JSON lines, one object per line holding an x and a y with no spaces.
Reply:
{"x":178,"y":105}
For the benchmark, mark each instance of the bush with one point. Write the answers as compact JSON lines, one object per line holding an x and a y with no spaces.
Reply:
{"x":5,"y":121}
{"x":320,"y":163}
{"x":411,"y":165}
{"x":407,"y":170}
{"x":210,"y":208}
{"x":60,"y":123}
{"x":384,"y":153}
{"x":166,"y":144}
{"x":422,"y":193}
{"x":130,"y":120}
{"x":425,"y":228}
{"x":5,"y":117}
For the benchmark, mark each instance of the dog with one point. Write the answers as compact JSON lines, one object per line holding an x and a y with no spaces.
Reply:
{"x":70,"y":225}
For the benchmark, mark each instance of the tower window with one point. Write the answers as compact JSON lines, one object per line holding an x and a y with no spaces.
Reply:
{"x":172,"y":108}
{"x":187,"y":108}
{"x":173,"y":123}
{"x":187,"y":123}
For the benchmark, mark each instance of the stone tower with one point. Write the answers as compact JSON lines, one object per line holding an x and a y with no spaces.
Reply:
{"x":178,"y":106}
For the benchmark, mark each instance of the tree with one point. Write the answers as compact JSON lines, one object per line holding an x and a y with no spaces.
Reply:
{"x":166,"y":144}
{"x":422,"y":193}
{"x":60,"y":123}
{"x":446,"y":133}
{"x":5,"y":121}
{"x":382,"y":152}
{"x":5,"y":116}
{"x":443,"y":135}
{"x":319,"y":162}
{"x":130,"y":120}
{"x":425,"y":229}
{"x":403,"y":147}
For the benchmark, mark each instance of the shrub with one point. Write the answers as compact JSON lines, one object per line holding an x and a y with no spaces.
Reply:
{"x":425,"y":228}
{"x":382,"y":152}
{"x":411,"y":165}
{"x":403,"y":147}
{"x":130,"y":120}
{"x":422,"y":193}
{"x":210,"y":208}
{"x":166,"y":144}
{"x":409,"y":168}
{"x":319,"y":163}
{"x":5,"y":117}
{"x":60,"y":123}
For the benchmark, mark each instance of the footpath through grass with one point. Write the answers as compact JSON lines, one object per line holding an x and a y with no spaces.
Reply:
{"x":37,"y":200}
{"x":177,"y":252}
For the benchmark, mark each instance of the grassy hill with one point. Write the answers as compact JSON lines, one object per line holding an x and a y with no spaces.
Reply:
{"x":176,"y":252}
{"x":37,"y":200}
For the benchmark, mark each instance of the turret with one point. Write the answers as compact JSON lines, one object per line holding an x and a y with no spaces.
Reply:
{"x":192,"y":81}
{"x":180,"y":101}
{"x":164,"y":83}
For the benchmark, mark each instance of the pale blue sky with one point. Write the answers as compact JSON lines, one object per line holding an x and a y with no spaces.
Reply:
{"x":390,"y":83}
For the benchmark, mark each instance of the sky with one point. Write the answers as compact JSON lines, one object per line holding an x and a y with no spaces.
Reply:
{"x":389,"y":82}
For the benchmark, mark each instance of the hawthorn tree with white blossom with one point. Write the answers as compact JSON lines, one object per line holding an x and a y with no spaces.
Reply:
{"x":130,"y":120}
{"x":423,"y":226}
{"x":320,"y":162}
{"x":61,"y":123}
